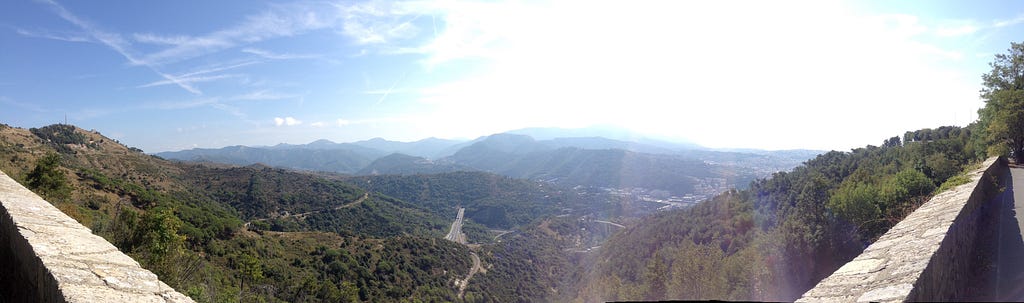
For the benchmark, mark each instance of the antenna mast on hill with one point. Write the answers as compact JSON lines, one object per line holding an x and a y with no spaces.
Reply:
{"x":65,"y":119}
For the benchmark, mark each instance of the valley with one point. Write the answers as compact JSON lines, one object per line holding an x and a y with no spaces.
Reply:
{"x":508,"y":151}
{"x":258,"y":232}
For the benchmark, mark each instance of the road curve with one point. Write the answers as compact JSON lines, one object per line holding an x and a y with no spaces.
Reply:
{"x":472,"y":271}
{"x":303,"y":215}
{"x":611,"y":223}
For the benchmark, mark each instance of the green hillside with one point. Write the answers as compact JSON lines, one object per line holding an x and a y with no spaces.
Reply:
{"x":784,"y":234}
{"x":239,"y":234}
{"x":777,"y":239}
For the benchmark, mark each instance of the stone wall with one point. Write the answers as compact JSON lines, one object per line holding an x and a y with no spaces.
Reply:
{"x":929,"y":256}
{"x":46,"y":256}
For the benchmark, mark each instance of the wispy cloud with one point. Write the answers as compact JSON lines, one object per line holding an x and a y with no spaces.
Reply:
{"x":263,"y":95}
{"x":150,"y":38}
{"x":279,"y":21}
{"x":1004,"y":23}
{"x":390,"y":89}
{"x":112,"y":40}
{"x":370,"y":23}
{"x":68,"y":37}
{"x":469,"y":30}
{"x":177,"y":81}
{"x":286,"y":121}
{"x":115,"y":42}
{"x":277,"y":56}
{"x":217,"y":68}
{"x":188,"y":81}
{"x":379,"y":22}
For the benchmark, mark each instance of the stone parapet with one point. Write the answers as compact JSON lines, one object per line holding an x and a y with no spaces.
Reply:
{"x":46,"y":256}
{"x":930,"y":255}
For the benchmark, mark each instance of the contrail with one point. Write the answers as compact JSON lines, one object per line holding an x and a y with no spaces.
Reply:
{"x":392,"y":88}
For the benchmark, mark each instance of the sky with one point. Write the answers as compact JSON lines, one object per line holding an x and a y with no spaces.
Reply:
{"x":827,"y":75}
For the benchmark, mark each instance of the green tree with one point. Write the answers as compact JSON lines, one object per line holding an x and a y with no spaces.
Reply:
{"x":892,"y":142}
{"x":47,"y":179}
{"x":251,"y":268}
{"x":1003,"y":92}
{"x":159,"y":234}
{"x":857,"y":203}
{"x":915,"y":182}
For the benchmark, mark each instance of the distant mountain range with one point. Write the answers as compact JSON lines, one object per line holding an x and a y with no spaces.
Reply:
{"x":568,"y":156}
{"x":344,"y":158}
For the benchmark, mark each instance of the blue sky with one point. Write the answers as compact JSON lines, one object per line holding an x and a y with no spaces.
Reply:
{"x":758,"y":74}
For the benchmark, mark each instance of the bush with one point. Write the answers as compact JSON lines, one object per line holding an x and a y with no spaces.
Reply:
{"x":955,"y":181}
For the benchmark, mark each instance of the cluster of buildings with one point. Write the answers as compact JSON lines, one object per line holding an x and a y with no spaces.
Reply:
{"x":705,"y":188}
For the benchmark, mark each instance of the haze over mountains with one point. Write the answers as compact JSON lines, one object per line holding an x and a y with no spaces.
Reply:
{"x":598,"y":156}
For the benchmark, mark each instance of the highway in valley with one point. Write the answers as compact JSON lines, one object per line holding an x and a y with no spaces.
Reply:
{"x":456,"y":235}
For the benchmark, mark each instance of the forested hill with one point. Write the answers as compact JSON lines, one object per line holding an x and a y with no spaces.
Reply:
{"x":340,"y":158}
{"x":401,"y":164}
{"x":240,"y":234}
{"x":492,"y":200}
{"x":778,"y":238}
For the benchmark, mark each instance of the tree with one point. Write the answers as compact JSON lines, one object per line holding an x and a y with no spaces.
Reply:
{"x":1003,"y":92}
{"x":251,"y":268}
{"x":892,"y":142}
{"x":857,"y":203}
{"x":159,"y":234}
{"x":47,"y":179}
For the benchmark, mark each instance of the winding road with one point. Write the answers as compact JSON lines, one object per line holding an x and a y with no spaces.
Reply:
{"x":304,"y":214}
{"x":472,"y":271}
{"x":611,"y":223}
